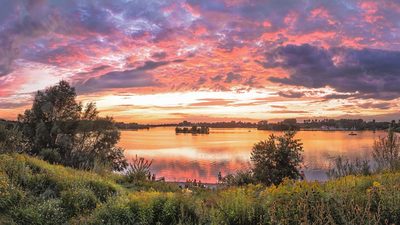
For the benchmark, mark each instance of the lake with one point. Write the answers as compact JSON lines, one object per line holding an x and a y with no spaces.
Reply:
{"x":178,"y":157}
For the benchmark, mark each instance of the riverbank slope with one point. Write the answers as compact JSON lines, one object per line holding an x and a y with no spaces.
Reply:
{"x":35,"y":192}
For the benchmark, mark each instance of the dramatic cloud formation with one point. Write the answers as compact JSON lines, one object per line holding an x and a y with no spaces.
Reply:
{"x":292,"y":56}
{"x":370,"y":73}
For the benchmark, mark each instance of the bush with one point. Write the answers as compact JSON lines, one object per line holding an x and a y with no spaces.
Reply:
{"x":116,"y":212}
{"x":77,"y":200}
{"x":50,"y":155}
{"x":240,"y":178}
{"x":15,"y":168}
{"x":26,"y":215}
{"x":11,"y":140}
{"x":239,"y":206}
{"x":277,"y":158}
{"x":138,"y":170}
{"x":101,"y":189}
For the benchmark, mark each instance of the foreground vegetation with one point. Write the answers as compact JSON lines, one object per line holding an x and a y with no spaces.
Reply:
{"x":33,"y":191}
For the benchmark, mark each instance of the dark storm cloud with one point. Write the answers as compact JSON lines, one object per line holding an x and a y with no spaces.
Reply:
{"x":370,"y":73}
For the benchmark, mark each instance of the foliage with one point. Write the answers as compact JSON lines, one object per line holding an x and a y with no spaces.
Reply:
{"x":76,"y":135}
{"x":35,"y":192}
{"x":386,"y":152}
{"x":138,"y":170}
{"x":277,"y":158}
{"x":50,"y":155}
{"x":344,"y":167}
{"x":76,"y":200}
{"x":240,"y":178}
{"x":11,"y":139}
{"x":239,"y":206}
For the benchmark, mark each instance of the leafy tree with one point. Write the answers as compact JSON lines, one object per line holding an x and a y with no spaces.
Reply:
{"x":277,"y":158}
{"x":68,"y":132}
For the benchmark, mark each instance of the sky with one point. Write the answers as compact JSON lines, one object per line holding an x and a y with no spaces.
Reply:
{"x":156,"y":61}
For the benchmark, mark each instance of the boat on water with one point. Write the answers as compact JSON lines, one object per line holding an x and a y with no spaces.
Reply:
{"x":352,"y":133}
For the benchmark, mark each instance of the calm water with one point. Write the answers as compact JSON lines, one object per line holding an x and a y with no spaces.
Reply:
{"x":182,"y":156}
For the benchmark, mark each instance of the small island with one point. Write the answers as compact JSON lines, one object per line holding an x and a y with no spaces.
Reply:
{"x":193,"y":130}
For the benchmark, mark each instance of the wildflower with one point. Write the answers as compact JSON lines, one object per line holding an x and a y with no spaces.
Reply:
{"x":376,"y":184}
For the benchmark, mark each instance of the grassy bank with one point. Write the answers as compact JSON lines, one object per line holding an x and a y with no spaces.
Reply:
{"x":35,"y":192}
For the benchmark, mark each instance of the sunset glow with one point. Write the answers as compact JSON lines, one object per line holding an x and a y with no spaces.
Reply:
{"x":159,"y":61}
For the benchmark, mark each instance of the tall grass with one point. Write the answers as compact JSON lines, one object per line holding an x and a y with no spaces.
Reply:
{"x":35,"y":192}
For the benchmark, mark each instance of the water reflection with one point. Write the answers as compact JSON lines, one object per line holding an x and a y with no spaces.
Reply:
{"x":178,"y":157}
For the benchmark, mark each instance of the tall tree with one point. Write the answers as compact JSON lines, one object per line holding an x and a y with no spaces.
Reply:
{"x":277,"y":158}
{"x":76,"y":134}
{"x":54,"y":112}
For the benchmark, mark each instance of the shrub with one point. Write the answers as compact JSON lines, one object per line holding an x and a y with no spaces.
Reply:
{"x":101,"y":189}
{"x":240,"y":178}
{"x":277,"y":158}
{"x":11,"y":140}
{"x":28,"y":215}
{"x":78,"y":200}
{"x":115,"y":212}
{"x":16,"y":169}
{"x":50,"y":155}
{"x":239,"y":206}
{"x":138,"y":170}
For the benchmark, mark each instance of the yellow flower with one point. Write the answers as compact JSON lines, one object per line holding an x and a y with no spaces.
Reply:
{"x":376,"y":184}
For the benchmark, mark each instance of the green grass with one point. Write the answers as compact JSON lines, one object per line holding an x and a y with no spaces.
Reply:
{"x":35,"y":192}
